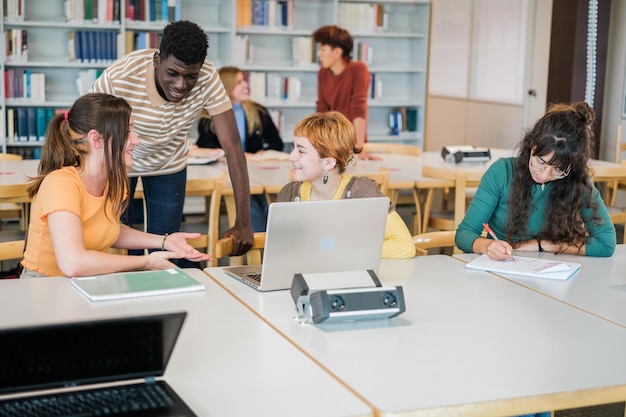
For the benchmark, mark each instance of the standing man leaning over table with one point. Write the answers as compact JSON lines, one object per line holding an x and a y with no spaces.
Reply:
{"x":167,"y":88}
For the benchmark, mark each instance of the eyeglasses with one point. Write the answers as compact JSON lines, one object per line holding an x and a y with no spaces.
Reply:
{"x":539,"y":165}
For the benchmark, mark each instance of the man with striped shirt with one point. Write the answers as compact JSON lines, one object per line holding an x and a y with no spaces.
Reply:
{"x":167,"y":88}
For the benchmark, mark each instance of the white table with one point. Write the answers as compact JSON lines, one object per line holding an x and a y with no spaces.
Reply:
{"x":599,"y":287}
{"x":469,"y":344}
{"x":213,"y":367}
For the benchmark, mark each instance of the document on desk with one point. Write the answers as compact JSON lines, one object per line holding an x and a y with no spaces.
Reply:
{"x":530,"y":267}
{"x":269,"y":155}
{"x":201,"y":160}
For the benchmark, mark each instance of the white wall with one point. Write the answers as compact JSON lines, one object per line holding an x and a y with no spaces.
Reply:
{"x":481,"y":65}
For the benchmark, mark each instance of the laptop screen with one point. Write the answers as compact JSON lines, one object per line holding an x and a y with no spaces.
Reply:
{"x":79,"y":353}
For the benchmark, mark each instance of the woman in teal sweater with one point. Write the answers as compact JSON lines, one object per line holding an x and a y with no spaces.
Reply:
{"x":544,"y":200}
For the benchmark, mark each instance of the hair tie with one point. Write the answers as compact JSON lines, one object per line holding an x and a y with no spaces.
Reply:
{"x":66,"y":114}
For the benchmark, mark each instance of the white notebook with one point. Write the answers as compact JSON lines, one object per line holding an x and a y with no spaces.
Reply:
{"x":530,"y":267}
{"x":136,"y":284}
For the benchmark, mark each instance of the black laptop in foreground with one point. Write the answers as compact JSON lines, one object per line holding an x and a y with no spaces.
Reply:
{"x":72,"y":355}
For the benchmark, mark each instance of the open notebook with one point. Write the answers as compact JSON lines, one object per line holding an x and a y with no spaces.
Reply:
{"x":317,"y":236}
{"x":68,"y":356}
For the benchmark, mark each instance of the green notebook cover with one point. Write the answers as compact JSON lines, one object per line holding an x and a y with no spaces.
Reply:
{"x":136,"y":284}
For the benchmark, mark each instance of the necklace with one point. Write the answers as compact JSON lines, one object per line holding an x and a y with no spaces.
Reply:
{"x":543,"y":186}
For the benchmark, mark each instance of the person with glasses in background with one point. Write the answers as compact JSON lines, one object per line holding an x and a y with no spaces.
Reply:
{"x":543,"y":200}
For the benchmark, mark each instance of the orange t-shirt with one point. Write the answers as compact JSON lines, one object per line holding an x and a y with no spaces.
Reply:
{"x":63,"y":190}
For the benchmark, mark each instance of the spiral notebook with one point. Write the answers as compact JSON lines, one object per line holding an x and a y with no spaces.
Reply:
{"x":136,"y":284}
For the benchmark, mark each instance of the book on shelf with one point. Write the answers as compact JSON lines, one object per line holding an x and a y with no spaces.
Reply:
{"x":363,"y":17}
{"x":265,"y":13}
{"x":256,"y":81}
{"x":376,"y":86}
{"x":136,"y":284}
{"x":274,"y":87}
{"x":302,"y":50}
{"x":529,"y":267}
{"x":31,"y":113}
{"x":93,"y":47}
{"x":10,"y":125}
{"x":85,"y":80}
{"x":43,"y":117}
{"x":16,"y":45}
{"x":364,"y":52}
{"x":293,"y":89}
{"x":13,"y":10}
{"x":27,"y":124}
{"x":241,"y":50}
{"x":22,"y":124}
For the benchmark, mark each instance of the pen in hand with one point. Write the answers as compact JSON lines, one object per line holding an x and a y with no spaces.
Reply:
{"x":493,"y":235}
{"x":490,"y":231}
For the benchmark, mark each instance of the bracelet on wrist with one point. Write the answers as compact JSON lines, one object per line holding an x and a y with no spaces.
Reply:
{"x":539,"y":246}
{"x":163,"y":241}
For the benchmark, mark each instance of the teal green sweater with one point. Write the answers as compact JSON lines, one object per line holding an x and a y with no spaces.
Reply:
{"x":490,"y":205}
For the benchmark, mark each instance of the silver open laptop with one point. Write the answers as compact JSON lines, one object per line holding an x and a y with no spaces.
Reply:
{"x":317,"y":236}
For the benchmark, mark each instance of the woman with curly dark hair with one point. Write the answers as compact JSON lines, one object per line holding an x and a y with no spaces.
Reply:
{"x":544,"y":200}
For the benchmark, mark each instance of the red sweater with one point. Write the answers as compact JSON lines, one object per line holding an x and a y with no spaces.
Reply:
{"x":346,"y":92}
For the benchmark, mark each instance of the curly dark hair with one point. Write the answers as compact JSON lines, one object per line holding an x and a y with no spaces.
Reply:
{"x":335,"y":37}
{"x":186,"y":41}
{"x":566,"y":130}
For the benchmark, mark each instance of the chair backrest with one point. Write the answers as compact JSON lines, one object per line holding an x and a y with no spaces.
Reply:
{"x":10,"y":157}
{"x":14,"y":193}
{"x":15,"y":203}
{"x":211,"y":189}
{"x":381,"y":178}
{"x":398,"y":148}
{"x":431,"y":240}
{"x":224,"y":246}
{"x":13,"y":249}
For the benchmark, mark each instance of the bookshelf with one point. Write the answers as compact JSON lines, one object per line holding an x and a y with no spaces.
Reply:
{"x":394,"y":42}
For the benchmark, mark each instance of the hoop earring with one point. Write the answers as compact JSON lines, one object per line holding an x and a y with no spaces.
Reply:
{"x":325,"y":179}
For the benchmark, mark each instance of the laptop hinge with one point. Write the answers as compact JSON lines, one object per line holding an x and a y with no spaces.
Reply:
{"x":150,"y":380}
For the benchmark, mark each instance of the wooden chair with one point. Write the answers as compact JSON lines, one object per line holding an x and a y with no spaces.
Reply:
{"x":432,"y":240}
{"x":224,"y":246}
{"x":10,"y":250}
{"x":398,"y":148}
{"x":10,"y":210}
{"x":381,"y":178}
{"x":609,"y":183}
{"x":10,"y":157}
{"x":211,"y":189}
{"x":14,"y":197}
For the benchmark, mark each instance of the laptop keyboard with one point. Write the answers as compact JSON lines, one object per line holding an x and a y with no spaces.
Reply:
{"x":102,"y":402}
{"x":255,"y":277}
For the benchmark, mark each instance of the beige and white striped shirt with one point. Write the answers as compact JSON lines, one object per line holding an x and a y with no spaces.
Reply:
{"x":162,"y":126}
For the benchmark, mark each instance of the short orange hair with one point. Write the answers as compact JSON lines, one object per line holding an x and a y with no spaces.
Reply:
{"x":332,"y":136}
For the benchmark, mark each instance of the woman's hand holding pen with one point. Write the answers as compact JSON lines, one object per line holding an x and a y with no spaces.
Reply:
{"x":498,"y":250}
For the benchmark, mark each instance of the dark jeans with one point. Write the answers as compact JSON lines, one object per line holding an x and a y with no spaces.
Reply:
{"x":258,"y":212}
{"x":165,"y":198}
